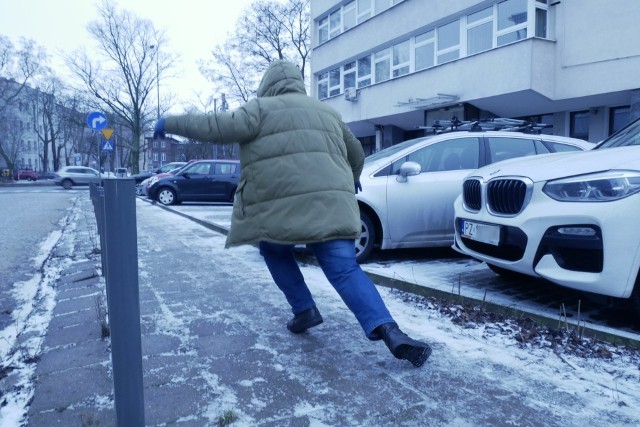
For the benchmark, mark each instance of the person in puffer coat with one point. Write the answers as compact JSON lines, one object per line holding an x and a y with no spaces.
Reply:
{"x":300,"y":165}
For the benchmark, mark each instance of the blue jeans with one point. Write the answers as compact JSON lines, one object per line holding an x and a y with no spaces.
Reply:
{"x":337,"y":258}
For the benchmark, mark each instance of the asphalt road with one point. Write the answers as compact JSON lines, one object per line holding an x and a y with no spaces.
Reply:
{"x":28,"y":214}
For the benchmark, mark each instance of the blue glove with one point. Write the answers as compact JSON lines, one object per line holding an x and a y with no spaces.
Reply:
{"x":358,"y":186}
{"x":158,"y":131}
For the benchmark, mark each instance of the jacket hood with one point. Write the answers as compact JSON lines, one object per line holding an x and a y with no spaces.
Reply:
{"x":281,"y":77}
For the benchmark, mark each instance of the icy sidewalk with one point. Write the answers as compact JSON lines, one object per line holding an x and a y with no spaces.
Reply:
{"x":215,"y":347}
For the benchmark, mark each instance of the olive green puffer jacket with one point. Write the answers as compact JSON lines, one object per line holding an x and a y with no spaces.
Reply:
{"x":299,"y":163}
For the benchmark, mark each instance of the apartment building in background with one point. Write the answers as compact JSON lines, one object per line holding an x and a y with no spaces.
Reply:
{"x":392,"y":67}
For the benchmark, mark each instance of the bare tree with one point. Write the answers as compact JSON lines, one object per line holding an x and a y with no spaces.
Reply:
{"x":18,"y":67}
{"x":73,"y":130}
{"x":132,"y":67}
{"x":45,"y":116}
{"x":11,"y":134}
{"x":268,"y":30}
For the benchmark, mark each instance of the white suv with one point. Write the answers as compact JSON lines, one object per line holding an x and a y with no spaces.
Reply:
{"x":69,"y":176}
{"x":568,"y":218}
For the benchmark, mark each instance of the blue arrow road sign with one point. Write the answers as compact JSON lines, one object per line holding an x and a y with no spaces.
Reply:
{"x":96,"y":120}
{"x":107,"y":146}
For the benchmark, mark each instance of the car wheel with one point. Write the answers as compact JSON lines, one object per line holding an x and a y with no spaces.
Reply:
{"x":507,"y":274}
{"x":67,"y":184}
{"x":139,"y":191}
{"x":166,"y":196}
{"x":367,"y":239}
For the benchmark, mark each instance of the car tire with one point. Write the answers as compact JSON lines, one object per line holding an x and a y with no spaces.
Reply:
{"x":139,"y":190}
{"x":67,"y":184}
{"x":166,"y":196}
{"x":506,"y":274}
{"x":367,"y":239}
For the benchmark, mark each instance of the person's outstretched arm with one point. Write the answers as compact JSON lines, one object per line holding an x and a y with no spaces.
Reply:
{"x":240,"y":125}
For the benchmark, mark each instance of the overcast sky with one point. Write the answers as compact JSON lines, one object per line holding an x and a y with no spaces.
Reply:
{"x":193,"y":27}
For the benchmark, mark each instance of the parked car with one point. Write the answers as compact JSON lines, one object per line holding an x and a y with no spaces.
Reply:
{"x":47,"y":176}
{"x":203,"y":180}
{"x":121,"y":172}
{"x":566,"y":218}
{"x":139,"y":177}
{"x":69,"y":176}
{"x":142,"y":189}
{"x":408,"y":189}
{"x":25,"y":174}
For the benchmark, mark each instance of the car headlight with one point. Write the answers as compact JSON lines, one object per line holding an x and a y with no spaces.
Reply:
{"x":596,"y":187}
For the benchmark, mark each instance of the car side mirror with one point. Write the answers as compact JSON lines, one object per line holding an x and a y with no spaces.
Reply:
{"x":408,"y":169}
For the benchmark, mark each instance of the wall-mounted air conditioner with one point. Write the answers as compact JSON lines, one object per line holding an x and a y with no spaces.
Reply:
{"x":351,"y":94}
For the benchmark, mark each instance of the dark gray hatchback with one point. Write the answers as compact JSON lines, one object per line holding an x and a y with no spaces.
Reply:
{"x":200,"y":181}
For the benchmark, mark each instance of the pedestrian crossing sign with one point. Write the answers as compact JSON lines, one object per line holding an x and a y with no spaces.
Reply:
{"x":107,"y":146}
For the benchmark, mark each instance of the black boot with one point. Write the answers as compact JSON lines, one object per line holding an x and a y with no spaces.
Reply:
{"x":403,"y":347}
{"x":304,"y":320}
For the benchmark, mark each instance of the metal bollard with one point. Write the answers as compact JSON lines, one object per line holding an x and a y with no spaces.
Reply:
{"x":120,"y":250}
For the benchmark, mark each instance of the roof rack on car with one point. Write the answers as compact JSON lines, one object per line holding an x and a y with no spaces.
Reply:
{"x":503,"y":124}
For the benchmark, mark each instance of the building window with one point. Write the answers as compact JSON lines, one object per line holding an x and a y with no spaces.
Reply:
{"x":155,"y":144}
{"x":335,"y":24}
{"x":382,"y":5}
{"x":163,"y":156}
{"x":334,"y":82}
{"x":364,"y":10}
{"x":323,"y":86}
{"x":579,"y":125}
{"x":323,"y":30}
{"x":155,"y":157}
{"x":401,"y":59}
{"x":449,"y":42}
{"x":619,"y":117}
{"x":349,"y":75}
{"x":424,"y":50}
{"x":349,"y":16}
{"x":162,"y":144}
{"x":541,"y":22}
{"x":512,"y":21}
{"x":382,"y":65}
{"x":364,"y":71}
{"x":480,"y":31}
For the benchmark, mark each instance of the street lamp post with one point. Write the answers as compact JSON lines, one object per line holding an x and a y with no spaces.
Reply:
{"x":156,"y":47}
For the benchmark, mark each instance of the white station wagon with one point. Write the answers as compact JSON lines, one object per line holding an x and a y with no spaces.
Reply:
{"x":408,"y":189}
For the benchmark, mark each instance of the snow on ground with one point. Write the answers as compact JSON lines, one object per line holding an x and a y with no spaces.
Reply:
{"x":21,"y":342}
{"x":607,"y":381}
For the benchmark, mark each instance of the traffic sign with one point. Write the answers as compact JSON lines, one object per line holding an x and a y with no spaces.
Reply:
{"x":106,"y":145}
{"x":96,"y":120}
{"x":107,"y":133}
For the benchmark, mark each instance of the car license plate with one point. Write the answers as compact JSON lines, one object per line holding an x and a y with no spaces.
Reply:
{"x":484,"y":233}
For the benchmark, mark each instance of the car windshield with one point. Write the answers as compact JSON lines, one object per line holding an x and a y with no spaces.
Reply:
{"x":393,"y":149}
{"x":628,"y":135}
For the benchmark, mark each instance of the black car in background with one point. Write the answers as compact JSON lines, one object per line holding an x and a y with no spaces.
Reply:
{"x":139,"y":177}
{"x":200,"y":181}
